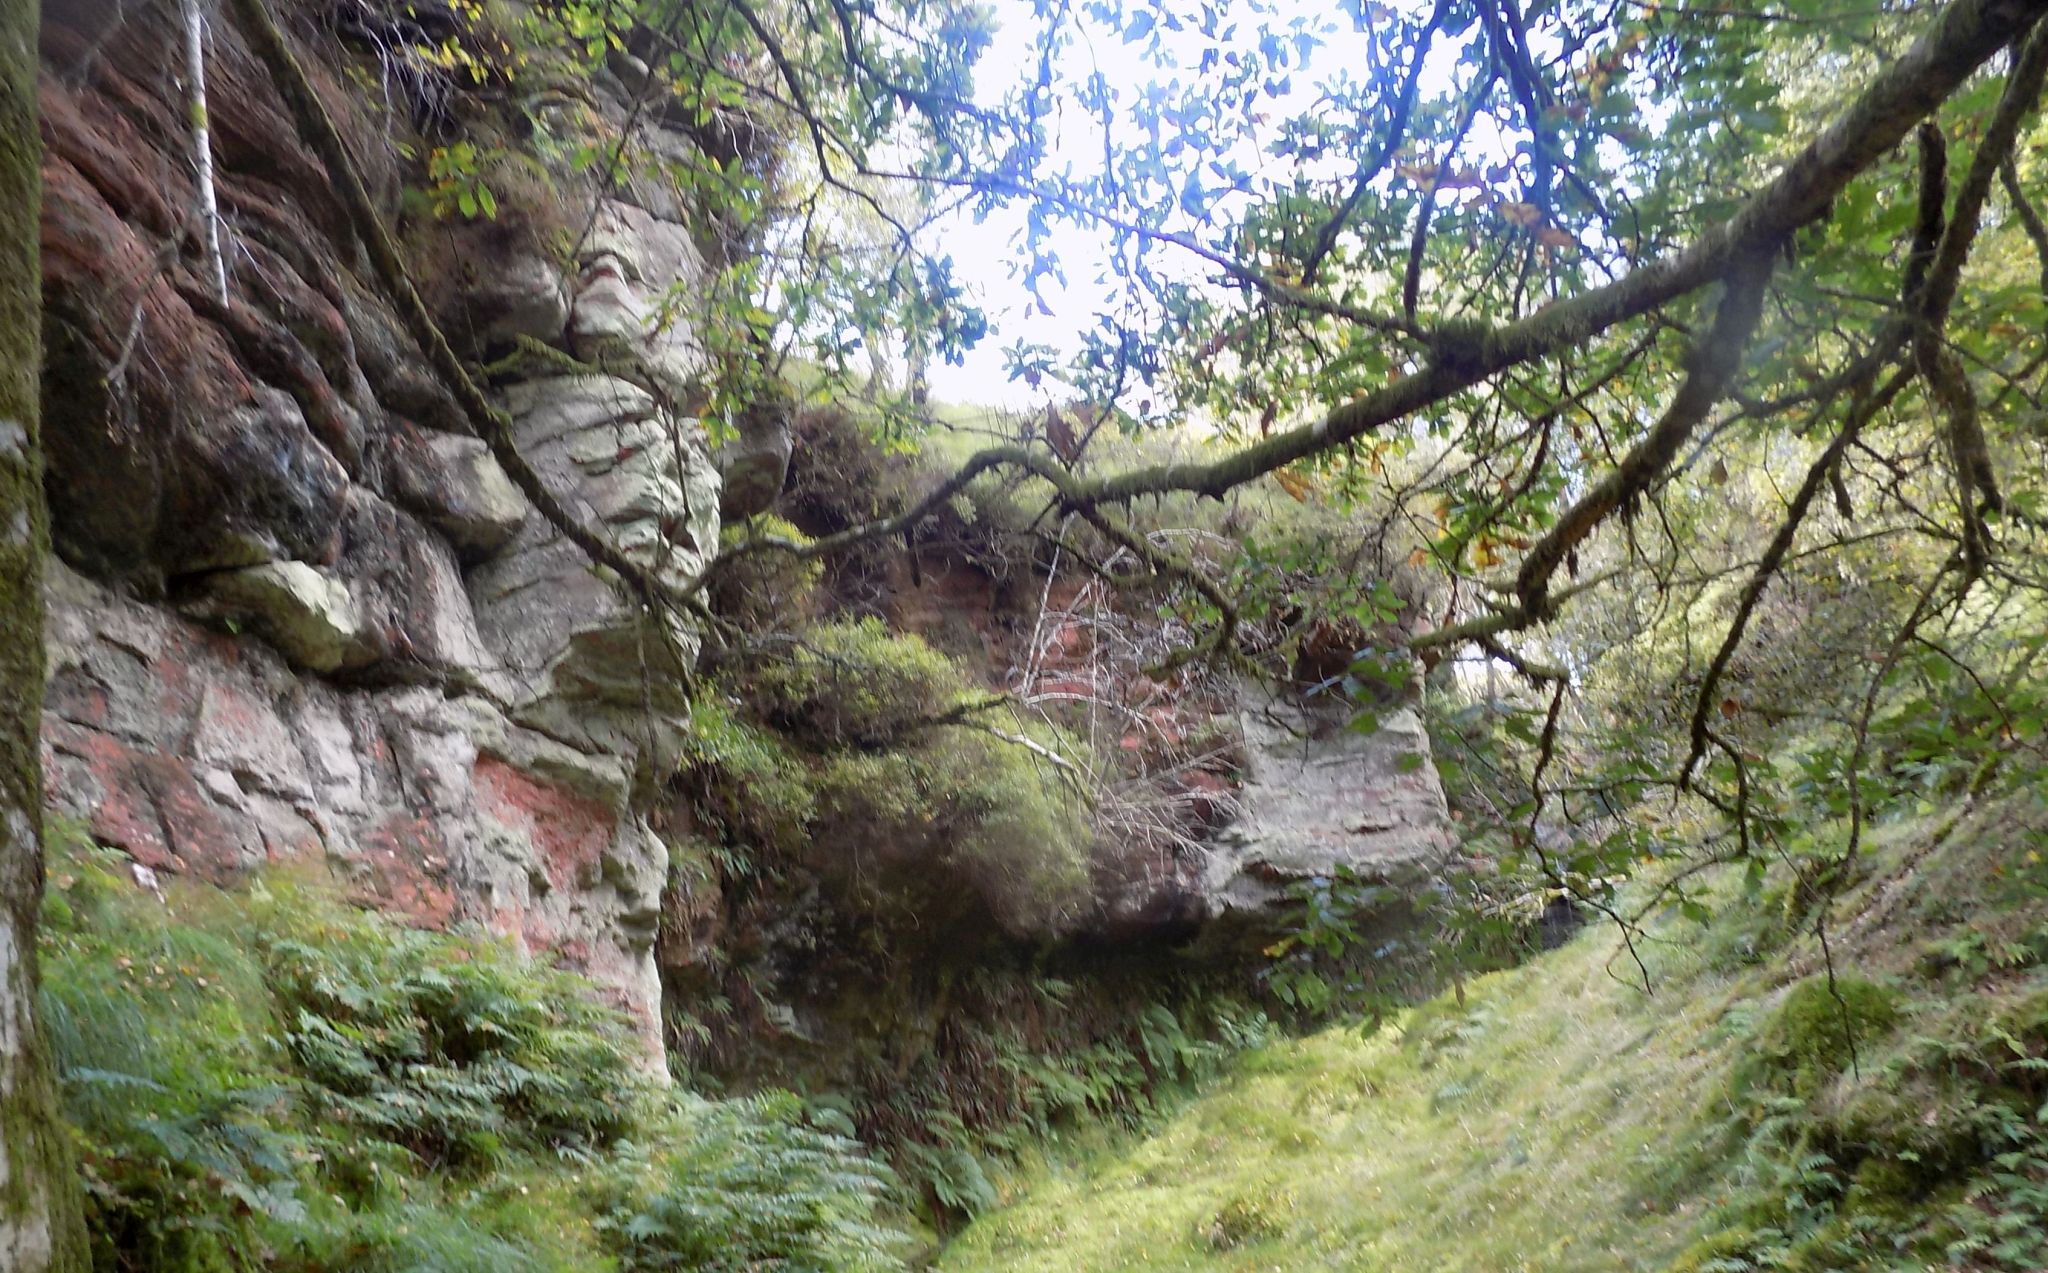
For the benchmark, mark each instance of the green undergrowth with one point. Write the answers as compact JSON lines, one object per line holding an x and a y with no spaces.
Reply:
{"x":870,"y":761}
{"x":275,"y":1080}
{"x":1755,"y":1110}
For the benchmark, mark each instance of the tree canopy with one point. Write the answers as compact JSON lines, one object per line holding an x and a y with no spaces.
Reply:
{"x":1694,"y":351}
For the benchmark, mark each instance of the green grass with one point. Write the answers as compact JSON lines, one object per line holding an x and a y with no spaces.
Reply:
{"x":1558,"y":1118}
{"x":1520,"y":1131}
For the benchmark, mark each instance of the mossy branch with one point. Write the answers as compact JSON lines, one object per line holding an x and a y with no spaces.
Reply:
{"x":1711,"y":368}
{"x":1969,"y":453}
{"x":317,"y":129}
{"x":1960,"y":39}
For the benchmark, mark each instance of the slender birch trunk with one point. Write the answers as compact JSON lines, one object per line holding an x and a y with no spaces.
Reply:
{"x":202,"y":147}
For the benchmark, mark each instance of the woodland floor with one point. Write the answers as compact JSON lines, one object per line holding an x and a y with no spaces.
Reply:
{"x":1560,"y":1118}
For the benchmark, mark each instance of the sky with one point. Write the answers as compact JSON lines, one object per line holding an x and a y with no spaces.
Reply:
{"x":985,"y":253}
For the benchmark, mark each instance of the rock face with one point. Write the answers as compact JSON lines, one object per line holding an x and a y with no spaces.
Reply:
{"x":306,"y":614}
{"x":1247,"y":790}
{"x":1318,"y":797}
{"x":197,"y":752}
{"x":1312,"y":798}
{"x":583,"y":663}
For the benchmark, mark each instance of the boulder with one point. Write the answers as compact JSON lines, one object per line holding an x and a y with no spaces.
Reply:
{"x":311,"y":617}
{"x":452,"y":483}
{"x":1320,"y":795}
{"x":522,"y":296}
{"x":755,"y":464}
{"x":638,"y":272}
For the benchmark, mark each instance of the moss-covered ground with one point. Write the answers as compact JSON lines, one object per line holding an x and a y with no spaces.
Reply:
{"x":1744,"y":1113}
{"x":1498,"y":1135}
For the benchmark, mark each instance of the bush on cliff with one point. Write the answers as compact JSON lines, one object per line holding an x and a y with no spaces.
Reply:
{"x":762,"y":590}
{"x":855,"y":685}
{"x":871,"y":759}
{"x":961,"y":808}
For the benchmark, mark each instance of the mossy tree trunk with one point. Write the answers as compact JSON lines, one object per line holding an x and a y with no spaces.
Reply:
{"x":41,"y":1230}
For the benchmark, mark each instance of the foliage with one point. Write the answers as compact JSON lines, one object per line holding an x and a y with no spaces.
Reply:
{"x":1477,"y":297}
{"x":871,"y":766}
{"x":855,"y":684}
{"x":457,"y":184}
{"x":278,"y":1081}
{"x":456,"y":1052}
{"x":1556,"y":1117}
{"x":746,"y":1185}
{"x":747,"y":780}
{"x":765,"y":590}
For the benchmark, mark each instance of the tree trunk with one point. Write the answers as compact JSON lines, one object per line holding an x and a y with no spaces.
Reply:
{"x":41,"y":1227}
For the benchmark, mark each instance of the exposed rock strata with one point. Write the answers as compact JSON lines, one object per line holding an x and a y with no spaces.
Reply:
{"x":309,"y":616}
{"x":1319,"y":796}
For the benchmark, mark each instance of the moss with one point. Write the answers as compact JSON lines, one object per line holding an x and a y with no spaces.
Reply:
{"x":38,"y":1190}
{"x":1820,"y":1030}
{"x":1245,"y":1219}
{"x":1883,"y":1184}
{"x":855,"y":684}
{"x":964,"y":810}
{"x":746,"y":778}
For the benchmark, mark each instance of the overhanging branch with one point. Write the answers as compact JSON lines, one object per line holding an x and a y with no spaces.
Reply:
{"x":1711,"y":367}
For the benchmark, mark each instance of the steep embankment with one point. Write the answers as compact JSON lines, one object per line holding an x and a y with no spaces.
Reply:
{"x":1559,"y":1118}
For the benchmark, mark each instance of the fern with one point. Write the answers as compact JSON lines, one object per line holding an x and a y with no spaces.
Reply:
{"x":744,"y":1185}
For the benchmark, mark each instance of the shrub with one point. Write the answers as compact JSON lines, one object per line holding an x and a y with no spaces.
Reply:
{"x":854,"y":684}
{"x":1026,"y":848}
{"x":908,"y":812}
{"x":742,"y":1185}
{"x":747,"y":779}
{"x":986,"y":812}
{"x":769,"y":588}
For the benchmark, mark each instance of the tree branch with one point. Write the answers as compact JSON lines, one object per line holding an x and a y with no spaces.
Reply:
{"x":2030,"y":217}
{"x":1947,"y":382}
{"x":1774,"y":556}
{"x":1711,"y":367}
{"x":1961,"y":38}
{"x":1397,"y":129}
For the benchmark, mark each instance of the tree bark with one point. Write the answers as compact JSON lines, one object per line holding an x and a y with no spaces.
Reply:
{"x":41,"y":1224}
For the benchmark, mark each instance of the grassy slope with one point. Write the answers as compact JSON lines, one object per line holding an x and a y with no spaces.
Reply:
{"x":1561,"y":1119}
{"x":1503,"y":1136}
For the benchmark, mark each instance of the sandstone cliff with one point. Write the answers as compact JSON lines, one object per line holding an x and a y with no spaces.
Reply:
{"x":305,"y":614}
